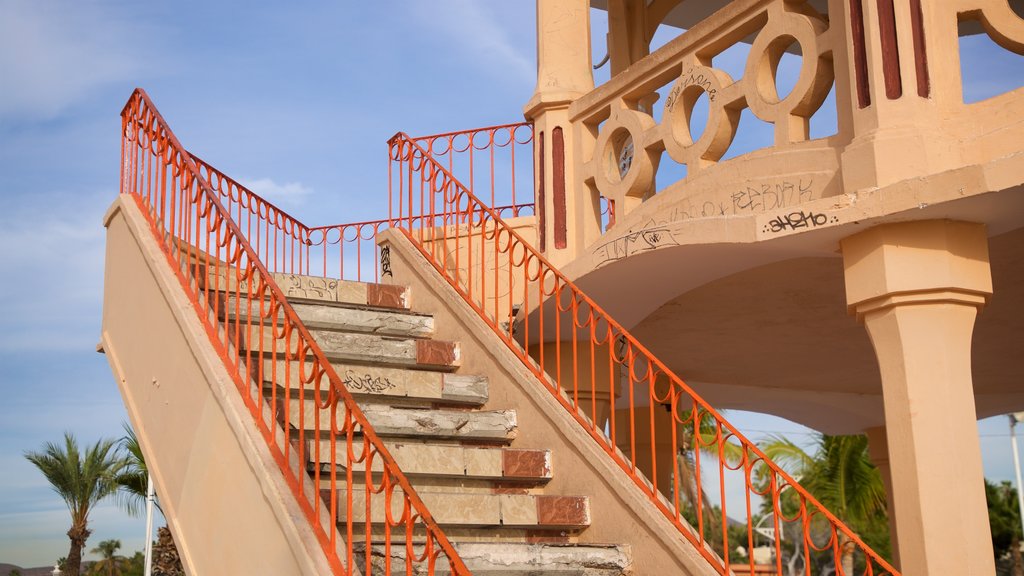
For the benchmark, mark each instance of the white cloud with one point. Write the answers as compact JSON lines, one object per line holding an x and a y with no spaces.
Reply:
{"x":288,"y":193}
{"x":55,"y":53}
{"x":483,"y":37}
{"x":53,"y":256}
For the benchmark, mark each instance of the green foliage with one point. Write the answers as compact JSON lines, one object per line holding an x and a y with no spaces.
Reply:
{"x":82,"y":479}
{"x":136,"y":565}
{"x":133,"y":479}
{"x":1004,"y":521}
{"x":110,"y":564}
{"x":839,"y":474}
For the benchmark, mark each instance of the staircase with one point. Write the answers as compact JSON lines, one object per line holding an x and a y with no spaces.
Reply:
{"x":457,"y":450}
{"x":298,"y":424}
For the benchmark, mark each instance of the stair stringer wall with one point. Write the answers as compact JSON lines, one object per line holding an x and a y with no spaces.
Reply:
{"x":221,"y":491}
{"x":620,"y":512}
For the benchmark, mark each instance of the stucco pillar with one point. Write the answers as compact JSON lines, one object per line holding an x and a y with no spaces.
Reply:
{"x":917,"y":287}
{"x":627,"y":33}
{"x":878,"y":452}
{"x":564,"y":73}
{"x":899,"y":64}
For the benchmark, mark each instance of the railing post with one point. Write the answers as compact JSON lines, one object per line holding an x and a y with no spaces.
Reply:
{"x":564,"y":74}
{"x":903,"y":76}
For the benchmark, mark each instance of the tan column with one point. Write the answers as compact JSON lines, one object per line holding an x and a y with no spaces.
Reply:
{"x":878,"y":452}
{"x":627,"y":33}
{"x":917,"y":287}
{"x":896,"y":66}
{"x":564,"y":73}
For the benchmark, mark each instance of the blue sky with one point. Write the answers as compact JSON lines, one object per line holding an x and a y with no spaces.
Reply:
{"x":296,"y":98}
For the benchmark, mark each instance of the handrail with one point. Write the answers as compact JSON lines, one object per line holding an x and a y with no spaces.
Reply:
{"x":458,"y":151}
{"x":578,"y":353}
{"x":262,"y":341}
{"x":288,"y":246}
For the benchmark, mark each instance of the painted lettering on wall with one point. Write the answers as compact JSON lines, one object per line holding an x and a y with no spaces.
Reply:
{"x":649,"y":238}
{"x":751,"y":198}
{"x":385,"y":261}
{"x":797,"y":220}
{"x":690,"y":78}
{"x":366,"y":382}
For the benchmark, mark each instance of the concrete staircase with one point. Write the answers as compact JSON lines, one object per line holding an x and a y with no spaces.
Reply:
{"x":457,"y":450}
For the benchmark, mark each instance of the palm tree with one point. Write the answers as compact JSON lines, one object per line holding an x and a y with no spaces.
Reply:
{"x":133,"y":480}
{"x":840,"y":475}
{"x":82,"y":480}
{"x":110,"y":563}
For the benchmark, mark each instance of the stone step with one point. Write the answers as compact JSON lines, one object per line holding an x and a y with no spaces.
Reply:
{"x":452,"y":461}
{"x":315,"y":289}
{"x":339,"y":318}
{"x":361,"y":348}
{"x":386,"y":384}
{"x":514,"y":559}
{"x":494,"y":426}
{"x":479,"y":510}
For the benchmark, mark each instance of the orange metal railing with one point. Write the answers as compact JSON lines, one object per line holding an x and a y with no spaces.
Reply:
{"x":222,"y":242}
{"x":349,"y":251}
{"x":485,"y":161}
{"x":661,"y":433}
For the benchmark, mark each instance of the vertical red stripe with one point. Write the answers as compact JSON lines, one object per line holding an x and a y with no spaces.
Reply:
{"x":558,"y":183}
{"x":920,"y":51}
{"x":890,"y":50}
{"x":541,"y":203}
{"x":860,"y":58}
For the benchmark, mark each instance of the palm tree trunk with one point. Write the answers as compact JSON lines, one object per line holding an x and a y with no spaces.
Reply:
{"x":846,"y":548}
{"x":78,"y":536}
{"x":1018,"y":565}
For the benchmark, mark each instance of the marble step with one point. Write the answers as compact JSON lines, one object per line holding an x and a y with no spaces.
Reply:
{"x":360,"y":348}
{"x":318,"y":316}
{"x":493,"y":426}
{"x":446,"y":462}
{"x":513,"y":559}
{"x":537,"y":511}
{"x":314,"y":288}
{"x":381,"y":383}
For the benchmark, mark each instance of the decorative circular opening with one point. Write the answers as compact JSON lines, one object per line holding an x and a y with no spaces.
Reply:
{"x":784,"y":71}
{"x":698,"y":114}
{"x":620,"y":155}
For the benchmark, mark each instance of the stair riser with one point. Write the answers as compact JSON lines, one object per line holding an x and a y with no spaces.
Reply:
{"x":453,"y":461}
{"x":477,"y":510}
{"x":514,"y":559}
{"x":345,"y":319}
{"x":317,"y":289}
{"x":360,"y":348}
{"x":385,"y":384}
{"x":493,"y":426}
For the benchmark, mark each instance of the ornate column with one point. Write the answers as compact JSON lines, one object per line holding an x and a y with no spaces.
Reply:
{"x":564,"y":73}
{"x":917,"y":287}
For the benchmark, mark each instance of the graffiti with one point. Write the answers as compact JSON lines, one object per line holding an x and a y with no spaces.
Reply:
{"x":771,"y":197}
{"x":309,"y":287}
{"x":752,"y":198}
{"x":797,"y":220}
{"x":366,"y":382}
{"x":689,"y":78}
{"x":634,"y":243}
{"x":385,"y":261}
